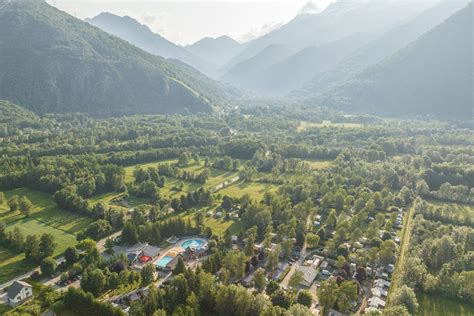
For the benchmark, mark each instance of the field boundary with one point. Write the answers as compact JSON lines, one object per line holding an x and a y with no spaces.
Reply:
{"x":404,"y":246}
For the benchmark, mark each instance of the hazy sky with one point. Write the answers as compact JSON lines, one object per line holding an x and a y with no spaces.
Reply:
{"x":186,"y":21}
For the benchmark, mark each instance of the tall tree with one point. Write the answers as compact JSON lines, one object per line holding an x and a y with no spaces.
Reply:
{"x":327,"y":293}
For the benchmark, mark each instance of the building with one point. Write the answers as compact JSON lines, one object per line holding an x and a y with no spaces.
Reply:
{"x":137,"y":248}
{"x":309,"y":274}
{"x":382,"y":283}
{"x":247,"y":281}
{"x":376,"y":303}
{"x":173,"y":262}
{"x":135,"y":251}
{"x":151,"y":251}
{"x":282,"y":266}
{"x":18,"y":293}
{"x":379,"y":292}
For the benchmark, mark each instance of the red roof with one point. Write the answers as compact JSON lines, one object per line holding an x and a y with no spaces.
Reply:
{"x":145,"y":259}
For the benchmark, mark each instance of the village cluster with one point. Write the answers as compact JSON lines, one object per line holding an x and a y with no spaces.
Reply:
{"x":304,"y":269}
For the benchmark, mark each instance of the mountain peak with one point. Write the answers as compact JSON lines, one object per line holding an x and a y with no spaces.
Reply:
{"x":312,"y":7}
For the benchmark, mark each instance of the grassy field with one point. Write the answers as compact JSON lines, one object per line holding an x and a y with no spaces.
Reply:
{"x":216,"y":177}
{"x":433,"y":305}
{"x":12,"y":264}
{"x":45,"y":213}
{"x":218,"y":225}
{"x":4,"y":308}
{"x":254,"y":189}
{"x":305,"y":125}
{"x":30,"y":226}
{"x":45,"y":217}
{"x":129,"y":170}
{"x":319,"y":164}
{"x":455,"y":209}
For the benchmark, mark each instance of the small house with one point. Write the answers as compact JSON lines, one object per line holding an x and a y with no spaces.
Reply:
{"x":18,"y":293}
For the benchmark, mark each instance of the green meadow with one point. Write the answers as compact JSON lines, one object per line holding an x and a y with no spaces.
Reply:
{"x":435,"y":305}
{"x":45,"y":217}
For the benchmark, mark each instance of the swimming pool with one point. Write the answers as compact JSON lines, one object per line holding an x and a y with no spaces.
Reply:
{"x":163,"y":261}
{"x":193,"y":243}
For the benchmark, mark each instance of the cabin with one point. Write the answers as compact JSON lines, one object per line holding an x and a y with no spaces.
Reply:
{"x":18,"y":293}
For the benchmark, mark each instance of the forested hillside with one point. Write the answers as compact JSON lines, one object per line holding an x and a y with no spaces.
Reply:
{"x":380,"y":48}
{"x":215,"y":50}
{"x":53,"y":62}
{"x":141,"y":36}
{"x":432,"y":76}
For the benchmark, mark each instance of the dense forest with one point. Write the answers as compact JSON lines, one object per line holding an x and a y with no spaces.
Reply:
{"x":158,"y":176}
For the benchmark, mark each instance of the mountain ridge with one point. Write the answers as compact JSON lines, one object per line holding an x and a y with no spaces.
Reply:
{"x":140,"y":35}
{"x":382,"y":47}
{"x":53,"y":62}
{"x":431,"y":76}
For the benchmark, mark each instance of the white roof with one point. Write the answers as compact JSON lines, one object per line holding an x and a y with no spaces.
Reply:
{"x":376,"y":302}
{"x":382,"y":283}
{"x":379,"y":292}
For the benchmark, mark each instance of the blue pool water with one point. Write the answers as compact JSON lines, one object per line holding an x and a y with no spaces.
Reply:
{"x":193,"y":243}
{"x":163,"y":261}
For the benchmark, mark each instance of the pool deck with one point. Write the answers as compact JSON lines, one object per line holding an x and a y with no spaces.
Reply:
{"x":175,"y":249}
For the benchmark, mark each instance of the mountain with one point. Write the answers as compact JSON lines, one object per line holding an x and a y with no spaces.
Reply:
{"x":141,"y":36}
{"x":311,"y":8}
{"x":215,"y":50}
{"x":53,"y":62}
{"x":382,"y":47}
{"x":241,"y":74}
{"x":340,"y":20}
{"x":10,"y":112}
{"x":431,"y":76}
{"x":278,"y":75}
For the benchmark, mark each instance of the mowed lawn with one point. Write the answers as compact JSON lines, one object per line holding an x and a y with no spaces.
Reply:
{"x":45,"y":217}
{"x":12,"y":264}
{"x":256,"y":190}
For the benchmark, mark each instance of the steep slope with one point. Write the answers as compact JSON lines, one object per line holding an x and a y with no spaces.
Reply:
{"x":279,"y":78}
{"x":431,"y":76}
{"x":341,"y":19}
{"x":10,"y":112}
{"x":382,"y":47}
{"x":215,"y":50}
{"x":138,"y":34}
{"x":53,"y":62}
{"x":141,"y":36}
{"x":241,"y":74}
